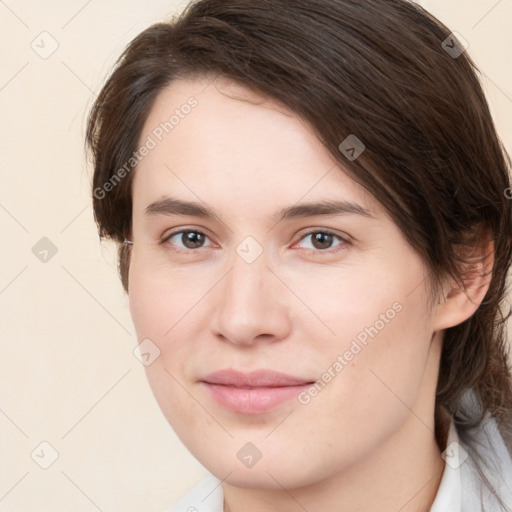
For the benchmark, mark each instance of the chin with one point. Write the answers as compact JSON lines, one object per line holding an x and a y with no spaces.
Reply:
{"x":275,"y":478}
{"x":269,"y":474}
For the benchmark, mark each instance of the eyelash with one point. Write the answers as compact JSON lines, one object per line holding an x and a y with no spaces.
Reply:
{"x":337,"y":248}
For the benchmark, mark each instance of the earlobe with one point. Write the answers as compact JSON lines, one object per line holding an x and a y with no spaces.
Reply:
{"x":461,"y":300}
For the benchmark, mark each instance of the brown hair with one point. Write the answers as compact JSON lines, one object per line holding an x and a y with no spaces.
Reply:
{"x":381,"y":70}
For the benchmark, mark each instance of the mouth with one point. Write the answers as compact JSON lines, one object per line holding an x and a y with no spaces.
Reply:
{"x":253,"y":393}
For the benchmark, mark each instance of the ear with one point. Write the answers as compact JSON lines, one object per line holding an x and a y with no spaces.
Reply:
{"x":461,"y":300}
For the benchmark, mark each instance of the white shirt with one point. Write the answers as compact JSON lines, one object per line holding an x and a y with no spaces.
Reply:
{"x":449,"y":494}
{"x":459,"y":490}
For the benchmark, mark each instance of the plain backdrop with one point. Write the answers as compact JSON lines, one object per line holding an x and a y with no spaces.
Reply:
{"x":71,"y":388}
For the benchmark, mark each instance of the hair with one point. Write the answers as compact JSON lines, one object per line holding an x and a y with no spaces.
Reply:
{"x":377,"y":69}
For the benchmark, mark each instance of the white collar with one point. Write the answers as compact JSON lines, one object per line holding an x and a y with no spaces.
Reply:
{"x":206,"y":496}
{"x":449,"y":494}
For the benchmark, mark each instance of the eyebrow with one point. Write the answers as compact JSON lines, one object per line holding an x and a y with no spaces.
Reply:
{"x":172,"y":206}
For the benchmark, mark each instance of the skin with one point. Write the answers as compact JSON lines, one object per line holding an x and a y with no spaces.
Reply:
{"x":366,"y":441}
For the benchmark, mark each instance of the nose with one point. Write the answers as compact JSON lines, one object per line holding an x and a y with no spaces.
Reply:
{"x":252,"y":304}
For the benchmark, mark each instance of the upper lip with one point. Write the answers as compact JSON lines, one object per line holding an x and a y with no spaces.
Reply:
{"x":256,"y":378}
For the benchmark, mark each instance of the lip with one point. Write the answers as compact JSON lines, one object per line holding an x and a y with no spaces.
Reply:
{"x":255,"y":392}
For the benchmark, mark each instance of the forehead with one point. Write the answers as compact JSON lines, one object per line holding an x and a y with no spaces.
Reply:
{"x":233,"y":143}
{"x":224,"y":112}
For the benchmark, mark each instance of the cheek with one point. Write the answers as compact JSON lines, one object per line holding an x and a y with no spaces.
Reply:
{"x":378,"y":364}
{"x":156,"y":317}
{"x":156,"y":311}
{"x":157,"y":300}
{"x":373,"y":366}
{"x":163,"y":310}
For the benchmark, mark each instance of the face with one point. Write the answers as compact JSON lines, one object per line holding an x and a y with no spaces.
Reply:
{"x":283,"y":264}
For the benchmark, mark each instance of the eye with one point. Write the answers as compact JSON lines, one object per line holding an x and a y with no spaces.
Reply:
{"x":322,"y":240}
{"x":190,"y":239}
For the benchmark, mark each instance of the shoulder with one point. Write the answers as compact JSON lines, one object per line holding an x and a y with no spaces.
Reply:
{"x":206,"y":496}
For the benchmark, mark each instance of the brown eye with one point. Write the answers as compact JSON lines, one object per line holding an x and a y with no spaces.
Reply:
{"x":188,"y":239}
{"x":323,"y":241}
{"x":192,"y":239}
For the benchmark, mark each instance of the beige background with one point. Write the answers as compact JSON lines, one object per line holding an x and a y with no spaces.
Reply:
{"x":67,"y":369}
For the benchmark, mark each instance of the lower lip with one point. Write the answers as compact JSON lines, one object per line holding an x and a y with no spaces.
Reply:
{"x":254,"y":400}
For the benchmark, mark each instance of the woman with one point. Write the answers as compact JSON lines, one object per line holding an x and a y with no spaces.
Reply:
{"x":310,"y":202}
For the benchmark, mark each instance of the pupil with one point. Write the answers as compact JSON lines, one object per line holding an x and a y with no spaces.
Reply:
{"x":192,"y":239}
{"x":322,"y":240}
